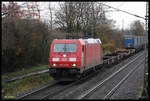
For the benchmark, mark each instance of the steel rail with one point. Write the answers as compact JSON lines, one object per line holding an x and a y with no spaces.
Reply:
{"x":108,"y":78}
{"x":54,"y":83}
{"x":112,"y":91}
{"x":68,"y":92}
{"x":27,"y":94}
{"x":68,"y":86}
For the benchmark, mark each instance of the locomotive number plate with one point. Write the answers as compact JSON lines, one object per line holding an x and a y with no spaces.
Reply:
{"x":64,"y":59}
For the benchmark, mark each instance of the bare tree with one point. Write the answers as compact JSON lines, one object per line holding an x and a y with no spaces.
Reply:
{"x":136,"y":28}
{"x":51,"y":16}
{"x":81,"y":17}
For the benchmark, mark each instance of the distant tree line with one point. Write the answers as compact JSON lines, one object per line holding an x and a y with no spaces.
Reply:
{"x":26,"y":42}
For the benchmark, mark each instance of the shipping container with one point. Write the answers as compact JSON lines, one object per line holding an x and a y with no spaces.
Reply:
{"x":128,"y":42}
{"x":131,"y":41}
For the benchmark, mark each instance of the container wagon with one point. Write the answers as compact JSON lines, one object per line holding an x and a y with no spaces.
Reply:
{"x":133,"y":42}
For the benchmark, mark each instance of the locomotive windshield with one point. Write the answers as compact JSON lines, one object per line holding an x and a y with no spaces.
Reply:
{"x":65,"y":48}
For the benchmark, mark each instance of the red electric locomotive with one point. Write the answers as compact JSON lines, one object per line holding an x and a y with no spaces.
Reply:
{"x":70,"y":58}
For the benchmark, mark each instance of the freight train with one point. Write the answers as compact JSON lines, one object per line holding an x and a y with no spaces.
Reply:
{"x":70,"y":59}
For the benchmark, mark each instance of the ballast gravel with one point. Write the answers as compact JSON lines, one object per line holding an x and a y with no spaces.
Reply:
{"x":132,"y":86}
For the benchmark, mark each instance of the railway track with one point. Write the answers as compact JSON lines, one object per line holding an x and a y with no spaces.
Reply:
{"x":112,"y":91}
{"x":68,"y":86}
{"x":37,"y":90}
{"x":85,"y":91}
{"x":55,"y":88}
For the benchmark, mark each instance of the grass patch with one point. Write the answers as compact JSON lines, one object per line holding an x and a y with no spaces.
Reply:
{"x":106,"y":52}
{"x":27,"y":83}
{"x":140,"y":91}
{"x":24,"y":71}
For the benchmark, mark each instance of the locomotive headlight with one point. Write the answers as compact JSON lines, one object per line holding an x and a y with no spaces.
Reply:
{"x":74,"y":65}
{"x":72,"y":59}
{"x":55,"y":59}
{"x":54,"y":64}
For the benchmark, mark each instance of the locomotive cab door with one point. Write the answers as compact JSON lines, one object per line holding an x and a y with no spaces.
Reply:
{"x":82,"y":57}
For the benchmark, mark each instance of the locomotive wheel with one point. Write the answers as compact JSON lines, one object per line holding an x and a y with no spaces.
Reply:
{"x":94,"y":69}
{"x":79,"y":76}
{"x":83,"y":74}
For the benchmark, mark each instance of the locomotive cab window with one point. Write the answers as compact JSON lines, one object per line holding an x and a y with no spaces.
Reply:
{"x":65,"y":47}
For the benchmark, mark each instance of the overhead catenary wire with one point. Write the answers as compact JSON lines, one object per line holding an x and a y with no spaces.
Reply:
{"x":123,"y":11}
{"x":121,"y":5}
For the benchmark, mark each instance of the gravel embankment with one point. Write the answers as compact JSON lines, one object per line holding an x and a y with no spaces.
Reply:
{"x":132,"y":86}
{"x":108,"y":86}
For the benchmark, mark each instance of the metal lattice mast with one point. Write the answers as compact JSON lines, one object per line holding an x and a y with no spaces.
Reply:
{"x":146,"y":89}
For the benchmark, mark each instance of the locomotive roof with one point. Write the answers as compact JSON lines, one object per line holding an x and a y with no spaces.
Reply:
{"x":130,"y":35}
{"x":91,"y":41}
{"x":86,"y":41}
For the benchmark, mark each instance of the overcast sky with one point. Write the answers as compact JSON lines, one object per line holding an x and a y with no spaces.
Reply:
{"x":122,"y":19}
{"x":138,"y":8}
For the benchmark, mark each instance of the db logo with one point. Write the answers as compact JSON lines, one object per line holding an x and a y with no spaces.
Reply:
{"x":64,"y":59}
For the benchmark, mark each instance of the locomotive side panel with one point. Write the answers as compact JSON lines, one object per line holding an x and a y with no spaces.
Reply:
{"x":98,"y":54}
{"x":92,"y":55}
